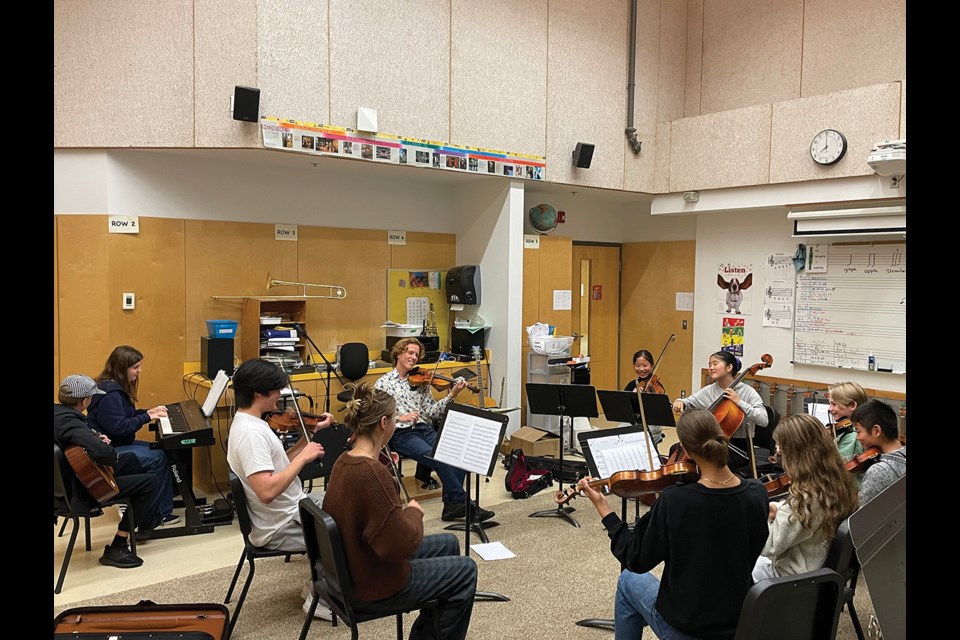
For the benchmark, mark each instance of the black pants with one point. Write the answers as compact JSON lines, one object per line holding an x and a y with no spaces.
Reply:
{"x":140,"y":488}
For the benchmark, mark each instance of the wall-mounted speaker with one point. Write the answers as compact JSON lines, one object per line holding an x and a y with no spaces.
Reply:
{"x":582,"y":155}
{"x":246,"y":104}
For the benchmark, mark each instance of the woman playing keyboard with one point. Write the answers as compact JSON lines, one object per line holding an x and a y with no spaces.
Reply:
{"x":115,"y":414}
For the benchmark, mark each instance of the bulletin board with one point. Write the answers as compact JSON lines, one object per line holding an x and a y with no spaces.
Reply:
{"x":856,"y":309}
{"x":409,"y":294}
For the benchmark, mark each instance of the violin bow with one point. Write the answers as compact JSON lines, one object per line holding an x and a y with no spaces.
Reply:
{"x":666,"y":344}
{"x":296,"y":405}
{"x":396,"y":472}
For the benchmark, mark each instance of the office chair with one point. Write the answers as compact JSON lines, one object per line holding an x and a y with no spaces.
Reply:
{"x":72,"y":502}
{"x":805,"y":606}
{"x":250,"y":551}
{"x":330,"y":574}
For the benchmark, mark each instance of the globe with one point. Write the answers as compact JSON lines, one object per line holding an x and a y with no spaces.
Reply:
{"x":543,"y":218}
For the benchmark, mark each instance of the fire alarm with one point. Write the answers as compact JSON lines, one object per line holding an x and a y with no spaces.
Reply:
{"x":561,"y":217}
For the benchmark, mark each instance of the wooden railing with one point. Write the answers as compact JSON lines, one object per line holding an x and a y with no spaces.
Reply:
{"x":786,"y":395}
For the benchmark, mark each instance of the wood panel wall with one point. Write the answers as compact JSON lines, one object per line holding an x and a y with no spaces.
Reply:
{"x":175,"y":267}
{"x":653,"y":273}
{"x":544,"y":270}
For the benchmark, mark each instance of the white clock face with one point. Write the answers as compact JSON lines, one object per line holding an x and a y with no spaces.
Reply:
{"x":828,"y":147}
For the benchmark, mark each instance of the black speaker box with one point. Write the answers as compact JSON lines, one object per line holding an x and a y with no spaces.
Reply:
{"x":583,"y":155}
{"x":463,"y":285}
{"x":216,"y":354}
{"x":246,"y":104}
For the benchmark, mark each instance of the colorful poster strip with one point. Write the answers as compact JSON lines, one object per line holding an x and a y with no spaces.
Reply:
{"x":328,"y":140}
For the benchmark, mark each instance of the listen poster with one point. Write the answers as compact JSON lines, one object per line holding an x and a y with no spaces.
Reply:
{"x":734,"y":295}
{"x":731,"y":336}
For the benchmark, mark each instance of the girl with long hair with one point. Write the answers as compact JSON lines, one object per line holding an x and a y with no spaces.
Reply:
{"x":822,"y":494}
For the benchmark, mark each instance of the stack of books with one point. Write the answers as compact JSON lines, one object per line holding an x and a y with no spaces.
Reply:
{"x":279,"y":345}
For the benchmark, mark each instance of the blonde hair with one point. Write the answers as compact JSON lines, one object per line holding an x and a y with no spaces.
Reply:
{"x":367,"y":407}
{"x":822,"y":492}
{"x":700,"y":435}
{"x":846,"y":393}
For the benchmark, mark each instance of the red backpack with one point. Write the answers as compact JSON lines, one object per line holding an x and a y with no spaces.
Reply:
{"x":522,"y":480}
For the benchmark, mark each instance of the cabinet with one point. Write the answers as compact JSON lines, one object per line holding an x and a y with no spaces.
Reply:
{"x":252,"y":324}
{"x":540,"y":370}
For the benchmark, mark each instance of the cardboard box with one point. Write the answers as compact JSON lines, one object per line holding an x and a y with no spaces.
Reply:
{"x":534,"y":442}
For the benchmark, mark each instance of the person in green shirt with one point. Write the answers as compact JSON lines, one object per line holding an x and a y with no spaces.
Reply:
{"x":844,"y":398}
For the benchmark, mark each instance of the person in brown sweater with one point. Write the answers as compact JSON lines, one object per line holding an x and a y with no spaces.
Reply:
{"x":392,"y":563}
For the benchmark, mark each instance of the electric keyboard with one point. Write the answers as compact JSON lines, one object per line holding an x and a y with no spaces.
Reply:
{"x":184,"y":426}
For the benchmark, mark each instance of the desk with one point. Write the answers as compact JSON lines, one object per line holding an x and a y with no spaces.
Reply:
{"x":210,"y":463}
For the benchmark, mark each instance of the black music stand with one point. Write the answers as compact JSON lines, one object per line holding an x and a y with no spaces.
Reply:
{"x":585,"y":446}
{"x":469,"y":439}
{"x":624,"y":406}
{"x":565,"y":401}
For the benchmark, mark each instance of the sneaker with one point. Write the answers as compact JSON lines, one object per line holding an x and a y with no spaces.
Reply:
{"x":453,"y":511}
{"x":322,"y":611}
{"x":170,"y":518}
{"x":480,"y":514}
{"x":119,"y":557}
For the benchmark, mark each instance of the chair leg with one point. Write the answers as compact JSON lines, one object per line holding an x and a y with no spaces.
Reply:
{"x":399,"y":626}
{"x":62,"y":527}
{"x":309,"y":619}
{"x":133,"y":529}
{"x":243,"y":595}
{"x":236,"y":574}
{"x":86,"y":530}
{"x":855,"y":620}
{"x":66,"y":557}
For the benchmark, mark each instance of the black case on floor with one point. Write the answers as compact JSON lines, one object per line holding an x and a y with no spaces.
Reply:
{"x":145,"y":620}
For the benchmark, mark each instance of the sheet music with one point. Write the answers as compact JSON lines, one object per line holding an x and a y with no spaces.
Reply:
{"x":216,"y":390}
{"x":623,"y":453}
{"x":468,"y":442}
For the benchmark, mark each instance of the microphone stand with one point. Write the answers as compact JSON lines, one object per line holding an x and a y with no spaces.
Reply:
{"x":326,"y":400}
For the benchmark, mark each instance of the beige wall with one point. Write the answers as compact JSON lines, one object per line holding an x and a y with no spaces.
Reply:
{"x":528,"y":76}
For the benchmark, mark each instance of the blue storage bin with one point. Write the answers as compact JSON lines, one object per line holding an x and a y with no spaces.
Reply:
{"x":221,"y":328}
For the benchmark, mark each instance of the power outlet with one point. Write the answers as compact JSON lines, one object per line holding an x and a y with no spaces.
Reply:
{"x":129,"y":301}
{"x":684,"y":325}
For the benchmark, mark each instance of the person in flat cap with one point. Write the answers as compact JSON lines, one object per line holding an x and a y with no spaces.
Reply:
{"x":70,"y":428}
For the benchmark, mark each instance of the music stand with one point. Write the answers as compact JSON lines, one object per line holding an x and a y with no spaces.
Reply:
{"x":563,"y":400}
{"x":608,"y":439}
{"x":624,"y":406}
{"x":469,"y":439}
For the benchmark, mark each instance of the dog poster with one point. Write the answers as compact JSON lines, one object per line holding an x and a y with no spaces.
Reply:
{"x":733,"y":288}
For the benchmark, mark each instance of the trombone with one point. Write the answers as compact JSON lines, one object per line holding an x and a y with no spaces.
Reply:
{"x":334,"y":291}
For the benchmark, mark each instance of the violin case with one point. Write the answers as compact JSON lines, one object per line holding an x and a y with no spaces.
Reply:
{"x":144,"y":620}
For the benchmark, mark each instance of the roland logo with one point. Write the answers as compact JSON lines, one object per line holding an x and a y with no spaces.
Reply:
{"x":176,"y":472}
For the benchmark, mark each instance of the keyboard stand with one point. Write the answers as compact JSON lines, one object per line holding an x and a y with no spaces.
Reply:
{"x":194,"y":522}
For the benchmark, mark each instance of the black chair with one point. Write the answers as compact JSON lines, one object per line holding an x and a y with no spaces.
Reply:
{"x":250,"y":551}
{"x":842,"y":558}
{"x":72,"y":501}
{"x":801,"y":607}
{"x":330,"y":574}
{"x":354,"y":360}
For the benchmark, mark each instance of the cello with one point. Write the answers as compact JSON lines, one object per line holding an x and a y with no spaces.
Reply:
{"x":729,"y":415}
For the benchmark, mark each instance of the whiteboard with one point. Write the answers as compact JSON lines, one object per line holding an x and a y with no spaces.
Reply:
{"x":855,"y":309}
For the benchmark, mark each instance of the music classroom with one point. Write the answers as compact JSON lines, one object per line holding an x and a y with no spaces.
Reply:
{"x":637,"y":198}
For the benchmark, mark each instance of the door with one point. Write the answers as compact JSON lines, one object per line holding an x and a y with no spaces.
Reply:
{"x":596,"y":310}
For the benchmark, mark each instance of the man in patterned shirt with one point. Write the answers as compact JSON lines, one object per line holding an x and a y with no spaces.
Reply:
{"x":417,"y":412}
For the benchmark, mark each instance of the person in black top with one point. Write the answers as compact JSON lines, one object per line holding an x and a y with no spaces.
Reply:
{"x":708,"y":534}
{"x":70,"y":428}
{"x":643,"y":365}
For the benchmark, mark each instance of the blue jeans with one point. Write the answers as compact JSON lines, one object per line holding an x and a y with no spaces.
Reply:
{"x":154,"y":462}
{"x":635,"y":607}
{"x":416,"y":443}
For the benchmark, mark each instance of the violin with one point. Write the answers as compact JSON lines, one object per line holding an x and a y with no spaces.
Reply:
{"x":637,"y":484}
{"x":859,"y":463}
{"x":418,"y":378}
{"x":386,"y":458}
{"x":727,"y":413}
{"x":776,"y":485}
{"x":283,"y":421}
{"x":650,"y":385}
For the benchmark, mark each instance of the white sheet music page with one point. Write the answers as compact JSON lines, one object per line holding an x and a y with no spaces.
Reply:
{"x":626,"y":452}
{"x":216,"y":390}
{"x":468,"y":442}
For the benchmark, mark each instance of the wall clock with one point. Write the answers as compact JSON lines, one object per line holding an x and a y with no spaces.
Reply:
{"x":828,"y":147}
